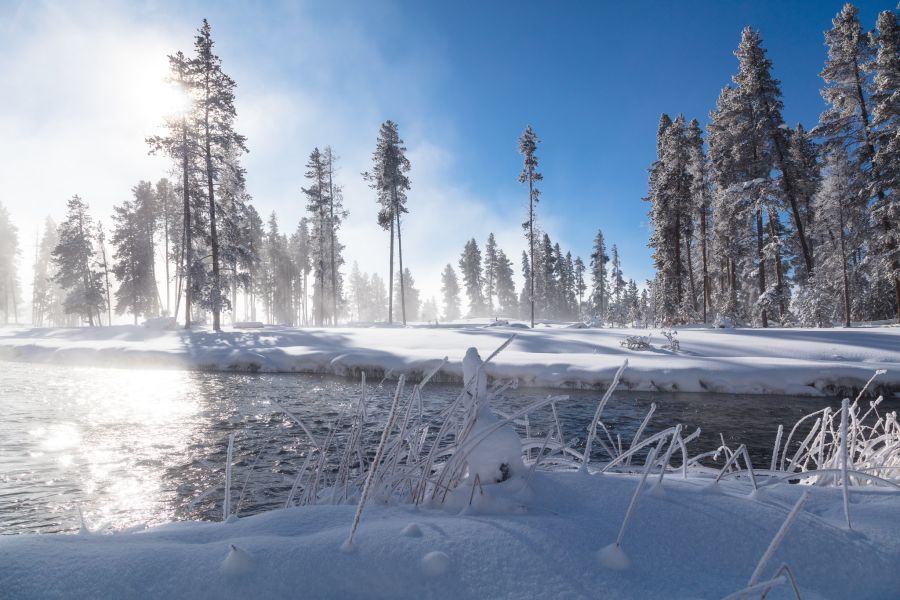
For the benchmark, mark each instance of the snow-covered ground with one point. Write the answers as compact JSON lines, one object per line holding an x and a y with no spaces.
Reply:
{"x":687,"y":542}
{"x":776,"y":361}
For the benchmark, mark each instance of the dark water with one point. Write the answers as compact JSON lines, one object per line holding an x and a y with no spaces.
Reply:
{"x":131,"y":447}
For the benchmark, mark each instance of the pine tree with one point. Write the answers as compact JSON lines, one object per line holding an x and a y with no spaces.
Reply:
{"x":701,"y":206}
{"x":580,"y":285}
{"x":302,"y":257}
{"x":215,"y":114}
{"x":9,"y":250}
{"x":336,"y":216}
{"x":413,"y":303}
{"x":450,"y":291}
{"x":506,"y":287}
{"x":886,"y":180}
{"x":473,"y":277}
{"x":491,"y":258}
{"x":599,"y":294}
{"x":389,"y":180}
{"x":317,"y":205}
{"x":101,"y":243}
{"x":47,"y":296}
{"x":75,"y":260}
{"x":133,"y":254}
{"x":761,"y":96}
{"x":618,"y":312}
{"x":182,"y":146}
{"x":528,"y":149}
{"x":527,"y":287}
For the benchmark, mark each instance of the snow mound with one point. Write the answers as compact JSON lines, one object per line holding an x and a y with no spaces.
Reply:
{"x":435,"y":564}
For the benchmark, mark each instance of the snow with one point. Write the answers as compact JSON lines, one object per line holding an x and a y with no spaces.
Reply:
{"x":764,"y":361}
{"x":687,"y":544}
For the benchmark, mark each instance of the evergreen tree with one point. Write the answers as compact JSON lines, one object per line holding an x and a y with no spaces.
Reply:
{"x":182,"y":145}
{"x":528,"y":149}
{"x":336,"y":216}
{"x":413,"y":303}
{"x":389,"y":180}
{"x":318,"y":206}
{"x":618,"y":312}
{"x":215,"y":114}
{"x":490,"y":271}
{"x":506,"y":288}
{"x":473,"y":277}
{"x":580,"y":285}
{"x":450,"y":291}
{"x":75,"y":262}
{"x":133,"y":255}
{"x":301,"y":250}
{"x":104,"y":264}
{"x":885,"y":211}
{"x":599,"y":292}
{"x":379,"y":301}
{"x":526,"y":295}
{"x":47,"y":295}
{"x":701,"y":207}
{"x":9,"y":280}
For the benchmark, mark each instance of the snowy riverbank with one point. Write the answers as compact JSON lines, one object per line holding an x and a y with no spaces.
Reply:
{"x":688,"y":542}
{"x":771,"y":361}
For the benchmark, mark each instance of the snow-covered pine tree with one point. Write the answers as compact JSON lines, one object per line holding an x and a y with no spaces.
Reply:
{"x":761,"y":97}
{"x":181,"y":144}
{"x":670,"y":208}
{"x":506,"y":288}
{"x":570,"y":296}
{"x":701,"y":207}
{"x":47,"y":296}
{"x":318,"y":204}
{"x":9,"y":280}
{"x":75,"y":261}
{"x":580,"y":285}
{"x":252,"y":260}
{"x":336,"y":216}
{"x":215,"y":114}
{"x":839,"y":236}
{"x":618,"y":312}
{"x":473,"y":277}
{"x":132,"y":257}
{"x":379,"y":299}
{"x":527,"y":287}
{"x":104,"y":264}
{"x":301,"y":256}
{"x":490,"y":272}
{"x":450,"y":292}
{"x":413,"y":303}
{"x":389,"y":180}
{"x":599,"y":298}
{"x":885,"y":212}
{"x":528,"y":143}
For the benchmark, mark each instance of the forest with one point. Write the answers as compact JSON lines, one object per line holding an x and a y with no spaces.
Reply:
{"x":754,"y":222}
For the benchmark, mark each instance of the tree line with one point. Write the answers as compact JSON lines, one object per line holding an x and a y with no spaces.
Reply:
{"x":764,"y":222}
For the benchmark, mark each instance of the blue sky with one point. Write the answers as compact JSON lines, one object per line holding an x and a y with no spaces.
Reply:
{"x":461,"y":78}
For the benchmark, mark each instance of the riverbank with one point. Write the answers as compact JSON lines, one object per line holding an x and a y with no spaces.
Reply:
{"x":805,"y":362}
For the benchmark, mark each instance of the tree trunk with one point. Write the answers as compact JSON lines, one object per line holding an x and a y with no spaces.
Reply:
{"x":188,"y":250}
{"x":334,"y":302}
{"x":761,"y":261}
{"x":705,"y":267}
{"x":400,"y":257}
{"x":391,"y":279}
{"x":531,"y":244}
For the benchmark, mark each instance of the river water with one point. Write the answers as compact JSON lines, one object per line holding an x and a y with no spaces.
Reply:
{"x":128,"y":448}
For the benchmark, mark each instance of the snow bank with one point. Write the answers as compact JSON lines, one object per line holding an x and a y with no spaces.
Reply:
{"x":772,"y":361}
{"x":684,"y":544}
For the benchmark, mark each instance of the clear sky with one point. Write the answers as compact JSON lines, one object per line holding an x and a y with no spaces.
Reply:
{"x":81,"y":86}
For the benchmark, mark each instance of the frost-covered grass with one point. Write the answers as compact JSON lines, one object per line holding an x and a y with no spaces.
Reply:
{"x":471,"y":504}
